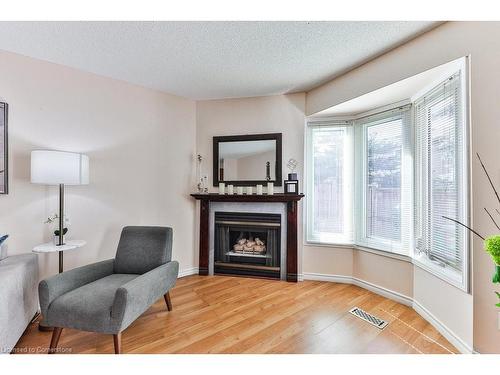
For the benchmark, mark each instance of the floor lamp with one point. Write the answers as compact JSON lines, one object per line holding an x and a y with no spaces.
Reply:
{"x":59,"y":168}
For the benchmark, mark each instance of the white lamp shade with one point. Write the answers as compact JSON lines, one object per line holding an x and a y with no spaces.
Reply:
{"x":59,"y":167}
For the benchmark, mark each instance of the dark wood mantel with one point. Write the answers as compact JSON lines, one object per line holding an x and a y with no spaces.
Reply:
{"x":291,"y":227}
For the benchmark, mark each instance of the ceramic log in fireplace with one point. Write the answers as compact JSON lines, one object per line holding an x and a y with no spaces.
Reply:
{"x":290,"y":201}
{"x":247,"y":244}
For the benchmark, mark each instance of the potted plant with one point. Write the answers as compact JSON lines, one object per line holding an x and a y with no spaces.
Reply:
{"x":492,"y":246}
{"x":52,"y":221}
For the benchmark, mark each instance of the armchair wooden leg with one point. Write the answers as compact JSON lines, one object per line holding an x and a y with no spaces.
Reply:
{"x":117,"y":338}
{"x":56,"y":334}
{"x":168,"y":301}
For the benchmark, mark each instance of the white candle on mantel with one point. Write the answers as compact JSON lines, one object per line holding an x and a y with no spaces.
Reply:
{"x":230,"y":189}
{"x":249,"y":190}
{"x":239,"y":190}
{"x":270,"y":188}
{"x":259,"y":189}
{"x":222,"y":188}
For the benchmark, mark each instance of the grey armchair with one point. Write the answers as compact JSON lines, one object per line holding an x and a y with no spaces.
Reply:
{"x":108,"y":296}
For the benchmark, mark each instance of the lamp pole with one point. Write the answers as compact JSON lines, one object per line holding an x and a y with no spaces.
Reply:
{"x":61,"y":225}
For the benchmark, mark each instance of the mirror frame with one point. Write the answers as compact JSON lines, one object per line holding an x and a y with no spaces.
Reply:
{"x":249,"y":137}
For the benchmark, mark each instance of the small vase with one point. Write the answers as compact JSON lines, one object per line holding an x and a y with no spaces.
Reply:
{"x":496,"y":275}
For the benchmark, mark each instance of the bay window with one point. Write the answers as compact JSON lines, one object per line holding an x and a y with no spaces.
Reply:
{"x":386,"y":181}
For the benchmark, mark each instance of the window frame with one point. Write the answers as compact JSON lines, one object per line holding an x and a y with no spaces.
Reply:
{"x":459,"y":279}
{"x":310,"y":237}
{"x":402,"y":247}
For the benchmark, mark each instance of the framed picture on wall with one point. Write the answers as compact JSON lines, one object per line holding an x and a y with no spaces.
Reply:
{"x":4,"y":161}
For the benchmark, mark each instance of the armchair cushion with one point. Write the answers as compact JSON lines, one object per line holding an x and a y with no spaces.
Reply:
{"x":135,"y":297}
{"x":55,"y":286}
{"x":143,"y":248}
{"x":110,"y":304}
{"x":88,"y":307}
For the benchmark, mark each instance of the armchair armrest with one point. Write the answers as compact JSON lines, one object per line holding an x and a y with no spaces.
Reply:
{"x":136,"y":296}
{"x":55,"y":286}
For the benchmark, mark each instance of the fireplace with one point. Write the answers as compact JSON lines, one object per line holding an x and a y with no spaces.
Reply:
{"x":247,"y":243}
{"x":285,"y":205}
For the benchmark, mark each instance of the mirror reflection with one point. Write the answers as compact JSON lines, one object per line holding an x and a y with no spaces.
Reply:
{"x":247,"y":160}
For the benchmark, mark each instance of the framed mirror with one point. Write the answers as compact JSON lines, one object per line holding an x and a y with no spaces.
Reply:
{"x":247,"y":160}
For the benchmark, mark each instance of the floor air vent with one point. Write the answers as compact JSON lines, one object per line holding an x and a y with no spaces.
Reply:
{"x":373,"y":320}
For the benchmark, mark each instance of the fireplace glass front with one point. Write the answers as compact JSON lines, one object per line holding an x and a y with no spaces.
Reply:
{"x":247,"y":244}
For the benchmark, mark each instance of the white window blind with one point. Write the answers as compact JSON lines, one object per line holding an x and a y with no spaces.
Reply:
{"x":440,"y":177}
{"x":383,"y":185}
{"x":329,"y":170}
{"x":384,"y":165}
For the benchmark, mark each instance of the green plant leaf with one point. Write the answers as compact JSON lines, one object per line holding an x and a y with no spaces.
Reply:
{"x":56,"y":232}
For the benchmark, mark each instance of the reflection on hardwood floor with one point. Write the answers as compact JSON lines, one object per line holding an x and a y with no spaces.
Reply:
{"x":219,"y":314}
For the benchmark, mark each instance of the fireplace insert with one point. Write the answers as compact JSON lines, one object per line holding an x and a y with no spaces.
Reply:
{"x":247,"y":244}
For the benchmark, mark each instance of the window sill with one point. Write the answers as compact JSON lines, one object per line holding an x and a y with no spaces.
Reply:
{"x":387,"y":254}
{"x":437,"y":271}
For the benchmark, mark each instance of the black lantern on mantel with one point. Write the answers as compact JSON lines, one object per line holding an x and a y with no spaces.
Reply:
{"x":292,"y":184}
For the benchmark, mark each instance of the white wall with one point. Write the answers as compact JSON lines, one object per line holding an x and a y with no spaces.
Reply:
{"x":330,"y":262}
{"x":389,"y":273}
{"x":141,"y":145}
{"x":445,"y":43}
{"x":270,"y":114}
{"x":448,"y":304}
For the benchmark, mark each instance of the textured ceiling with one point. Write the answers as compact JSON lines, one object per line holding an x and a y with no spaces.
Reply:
{"x":210,"y":60}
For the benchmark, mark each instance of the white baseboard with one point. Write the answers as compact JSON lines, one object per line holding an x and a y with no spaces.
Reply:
{"x":457,"y":342}
{"x":326,"y":277}
{"x":188,"y":272}
{"x":398,"y":297}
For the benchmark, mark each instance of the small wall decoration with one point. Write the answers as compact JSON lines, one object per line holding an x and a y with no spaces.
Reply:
{"x":4,"y":161}
{"x":202,"y":180}
{"x":292,"y":164}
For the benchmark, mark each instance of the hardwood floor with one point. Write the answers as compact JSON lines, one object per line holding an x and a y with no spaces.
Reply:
{"x":219,"y":314}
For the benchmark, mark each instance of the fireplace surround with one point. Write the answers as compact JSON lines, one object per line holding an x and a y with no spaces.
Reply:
{"x":286,"y":205}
